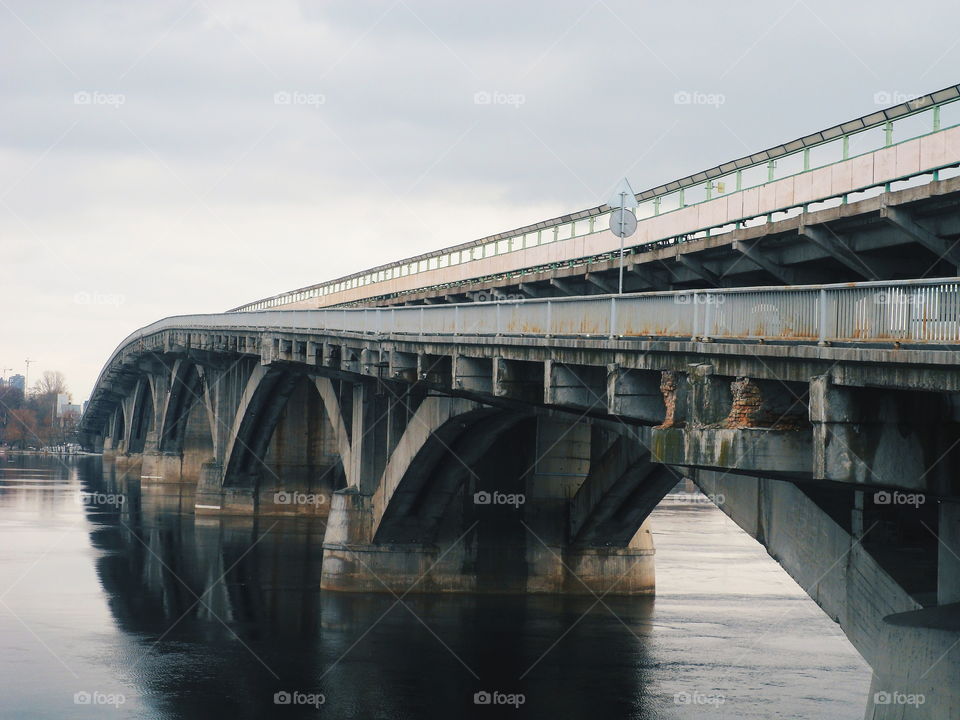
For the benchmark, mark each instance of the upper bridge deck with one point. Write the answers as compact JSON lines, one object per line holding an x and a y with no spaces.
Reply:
{"x":868,"y":199}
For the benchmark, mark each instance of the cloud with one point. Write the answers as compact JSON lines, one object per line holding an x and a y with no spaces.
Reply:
{"x":199,"y":190}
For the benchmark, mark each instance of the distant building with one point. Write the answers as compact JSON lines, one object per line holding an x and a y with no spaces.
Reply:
{"x":17,"y":381}
{"x":65,"y":407}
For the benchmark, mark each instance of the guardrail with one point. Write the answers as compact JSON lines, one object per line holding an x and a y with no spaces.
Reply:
{"x":897,"y":311}
{"x":901,"y":311}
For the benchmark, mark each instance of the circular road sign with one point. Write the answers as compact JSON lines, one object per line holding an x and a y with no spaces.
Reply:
{"x":623,"y":223}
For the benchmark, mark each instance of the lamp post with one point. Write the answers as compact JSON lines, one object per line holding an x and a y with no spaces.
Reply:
{"x":26,"y":377}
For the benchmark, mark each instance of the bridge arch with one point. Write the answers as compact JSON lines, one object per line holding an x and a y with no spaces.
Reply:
{"x":622,"y":488}
{"x":434,"y":459}
{"x":142,"y":415}
{"x":283,"y":440}
{"x":118,"y":425}
{"x":186,"y":395}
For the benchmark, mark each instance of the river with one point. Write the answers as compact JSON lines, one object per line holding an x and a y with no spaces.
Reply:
{"x":114,"y":603}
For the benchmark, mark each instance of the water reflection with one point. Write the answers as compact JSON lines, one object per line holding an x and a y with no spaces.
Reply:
{"x":198,"y":618}
{"x":230,"y":614}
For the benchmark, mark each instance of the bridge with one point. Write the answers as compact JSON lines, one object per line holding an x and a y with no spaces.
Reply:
{"x":518,"y":445}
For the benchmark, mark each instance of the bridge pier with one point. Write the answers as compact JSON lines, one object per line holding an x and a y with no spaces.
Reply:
{"x":948,"y":559}
{"x":856,"y":577}
{"x":509,"y":483}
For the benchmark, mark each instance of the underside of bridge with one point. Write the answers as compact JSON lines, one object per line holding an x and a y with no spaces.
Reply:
{"x":451,"y":466}
{"x":420,"y":490}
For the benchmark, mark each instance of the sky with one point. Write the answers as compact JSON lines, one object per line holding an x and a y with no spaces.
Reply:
{"x":176,"y":157}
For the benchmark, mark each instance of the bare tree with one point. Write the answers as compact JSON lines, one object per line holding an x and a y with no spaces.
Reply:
{"x":22,"y":428}
{"x":52,"y":383}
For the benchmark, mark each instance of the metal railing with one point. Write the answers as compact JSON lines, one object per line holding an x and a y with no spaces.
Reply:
{"x":918,"y":312}
{"x":895,"y":311}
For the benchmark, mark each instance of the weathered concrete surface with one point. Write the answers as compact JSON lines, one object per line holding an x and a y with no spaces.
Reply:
{"x":506,"y":525}
{"x":745,"y":450}
{"x":834,"y":567}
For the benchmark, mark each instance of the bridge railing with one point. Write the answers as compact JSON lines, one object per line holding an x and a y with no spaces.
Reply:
{"x":898,"y":311}
{"x":919,"y":312}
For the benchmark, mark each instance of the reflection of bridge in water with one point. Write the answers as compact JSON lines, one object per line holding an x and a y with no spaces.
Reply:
{"x":231,"y":607}
{"x":797,"y":403}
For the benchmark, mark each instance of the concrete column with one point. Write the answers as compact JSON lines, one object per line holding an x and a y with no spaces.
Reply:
{"x":564,"y":454}
{"x":368,"y":423}
{"x":879,"y":437}
{"x":948,"y":559}
{"x":708,"y":398}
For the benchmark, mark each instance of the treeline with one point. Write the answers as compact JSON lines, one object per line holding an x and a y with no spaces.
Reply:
{"x":31,"y":420}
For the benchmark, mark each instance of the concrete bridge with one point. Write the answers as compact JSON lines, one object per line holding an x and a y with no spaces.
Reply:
{"x":488,"y":418}
{"x":518,"y":446}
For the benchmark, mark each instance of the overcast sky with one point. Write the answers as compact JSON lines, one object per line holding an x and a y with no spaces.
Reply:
{"x":173,"y":157}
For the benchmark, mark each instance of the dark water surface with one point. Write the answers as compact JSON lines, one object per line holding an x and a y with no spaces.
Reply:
{"x":157,"y":614}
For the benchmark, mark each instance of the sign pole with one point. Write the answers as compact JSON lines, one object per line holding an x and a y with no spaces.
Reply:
{"x":623,"y":202}
{"x":623,"y":223}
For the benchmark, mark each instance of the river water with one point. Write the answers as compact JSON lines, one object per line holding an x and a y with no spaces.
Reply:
{"x":134,"y":609}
